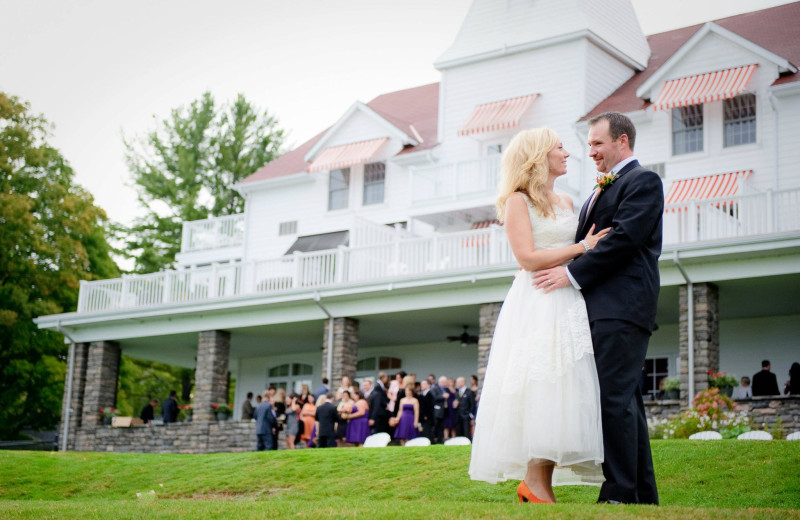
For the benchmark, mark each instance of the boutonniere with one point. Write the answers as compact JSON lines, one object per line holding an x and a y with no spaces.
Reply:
{"x":605,"y":180}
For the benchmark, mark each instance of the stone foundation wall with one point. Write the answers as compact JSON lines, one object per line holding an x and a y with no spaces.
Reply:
{"x":662,"y":409}
{"x":186,"y":437}
{"x":766,"y":411}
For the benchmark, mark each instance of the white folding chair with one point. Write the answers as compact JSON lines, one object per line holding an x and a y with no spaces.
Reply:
{"x":793,"y":436}
{"x":418,"y":442}
{"x":705,"y":436}
{"x":377,"y":440}
{"x":755,"y":436}
{"x":457,"y":441}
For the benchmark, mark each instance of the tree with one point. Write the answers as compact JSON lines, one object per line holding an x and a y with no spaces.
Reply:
{"x":51,"y":237}
{"x":184,"y":169}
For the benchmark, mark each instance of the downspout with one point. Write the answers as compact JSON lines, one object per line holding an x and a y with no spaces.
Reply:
{"x":70,"y":370}
{"x":690,"y":322}
{"x":329,"y":371}
{"x":773,"y":101}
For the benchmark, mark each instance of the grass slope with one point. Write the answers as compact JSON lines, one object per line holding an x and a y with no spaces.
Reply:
{"x":711,"y":480}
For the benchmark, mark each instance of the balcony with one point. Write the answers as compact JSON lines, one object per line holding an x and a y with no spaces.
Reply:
{"x":771,"y":211}
{"x":455,"y":181}
{"x":405,"y":257}
{"x":401,"y":258}
{"x":213,"y":233}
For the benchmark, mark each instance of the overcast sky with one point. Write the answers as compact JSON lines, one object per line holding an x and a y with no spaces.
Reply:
{"x":97,"y":69}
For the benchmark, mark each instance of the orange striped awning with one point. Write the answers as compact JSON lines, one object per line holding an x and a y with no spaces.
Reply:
{"x":497,"y":115}
{"x":704,"y":188}
{"x":346,"y":155}
{"x":703,"y":88}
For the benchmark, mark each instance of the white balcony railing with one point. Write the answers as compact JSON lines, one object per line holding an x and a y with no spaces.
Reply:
{"x":213,"y":233}
{"x":452,"y":181}
{"x":467,"y":250}
{"x":771,"y":211}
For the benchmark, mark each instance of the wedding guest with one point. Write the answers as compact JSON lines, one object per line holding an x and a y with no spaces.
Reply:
{"x":292,"y":419}
{"x":325,"y":422}
{"x":307,"y":416}
{"x":439,"y":397}
{"x":743,"y":391}
{"x":148,"y":412}
{"x":452,"y":415}
{"x":345,"y":385}
{"x":169,"y":408}
{"x":247,"y":407}
{"x":765,"y":382}
{"x":304,"y":393}
{"x":321,"y":389}
{"x":378,"y":401}
{"x":407,"y":416}
{"x":793,"y":384}
{"x":426,"y":418}
{"x":279,"y":406}
{"x":265,"y":424}
{"x":465,"y":408}
{"x":358,"y":421}
{"x":343,"y":408}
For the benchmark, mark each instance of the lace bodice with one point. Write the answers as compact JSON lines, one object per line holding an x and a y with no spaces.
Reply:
{"x":552,"y":233}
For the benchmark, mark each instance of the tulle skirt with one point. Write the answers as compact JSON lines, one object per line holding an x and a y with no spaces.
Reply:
{"x":540,"y":399}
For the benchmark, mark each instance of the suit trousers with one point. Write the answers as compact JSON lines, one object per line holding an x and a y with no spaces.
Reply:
{"x":438,"y":429}
{"x":620,"y":348}
{"x":326,"y":441}
{"x":464,"y":426}
{"x":265,"y":441}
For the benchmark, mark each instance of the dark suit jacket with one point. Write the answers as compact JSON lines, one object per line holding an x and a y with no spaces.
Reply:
{"x":147,"y":413}
{"x":765,"y":383}
{"x":326,"y":416}
{"x":377,"y":404}
{"x":439,"y":402}
{"x":265,"y":418}
{"x":619,"y":278}
{"x":247,"y":410}
{"x":466,"y":404}
{"x":425,"y":408}
{"x":169,"y":410}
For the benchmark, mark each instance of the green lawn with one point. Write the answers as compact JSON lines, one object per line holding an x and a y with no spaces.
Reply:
{"x":711,"y":480}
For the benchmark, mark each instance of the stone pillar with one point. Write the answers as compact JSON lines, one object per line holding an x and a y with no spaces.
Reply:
{"x":488,"y":319}
{"x":211,"y":374}
{"x":74,"y":402}
{"x":706,"y":336}
{"x":102,"y":370}
{"x":345,"y":350}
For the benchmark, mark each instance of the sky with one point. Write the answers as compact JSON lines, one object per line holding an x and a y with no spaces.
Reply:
{"x":100,"y":70}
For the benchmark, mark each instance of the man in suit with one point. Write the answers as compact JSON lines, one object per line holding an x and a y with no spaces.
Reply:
{"x":169,"y":409}
{"x":378,"y":401}
{"x":247,"y":407}
{"x":465,"y":408}
{"x":439,"y":395}
{"x":426,"y":409}
{"x":265,"y":424}
{"x":148,"y":412}
{"x":765,"y":382}
{"x":620,"y":282}
{"x":321,"y":389}
{"x":325,"y":418}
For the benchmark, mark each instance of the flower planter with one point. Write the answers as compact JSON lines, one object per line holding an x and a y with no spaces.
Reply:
{"x":222,"y":416}
{"x":672,"y":395}
{"x":107,"y":420}
{"x":726,"y":390}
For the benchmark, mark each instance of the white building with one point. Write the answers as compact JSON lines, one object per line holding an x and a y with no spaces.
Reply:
{"x":383,"y":224}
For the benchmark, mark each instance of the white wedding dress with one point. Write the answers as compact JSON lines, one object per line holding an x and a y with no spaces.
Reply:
{"x":540,"y":398}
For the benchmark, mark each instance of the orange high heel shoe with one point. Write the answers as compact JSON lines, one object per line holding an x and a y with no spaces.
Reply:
{"x":525,"y":494}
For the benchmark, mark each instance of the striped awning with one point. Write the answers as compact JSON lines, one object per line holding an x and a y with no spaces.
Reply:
{"x":709,"y":187}
{"x":346,"y":155}
{"x":497,"y":115}
{"x":703,"y":88}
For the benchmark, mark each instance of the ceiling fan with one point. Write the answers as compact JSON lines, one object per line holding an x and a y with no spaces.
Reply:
{"x":465,"y":338}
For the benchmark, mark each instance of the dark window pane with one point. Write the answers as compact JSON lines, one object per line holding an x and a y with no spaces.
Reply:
{"x":339,"y":189}
{"x":740,"y":120}
{"x":687,"y":129}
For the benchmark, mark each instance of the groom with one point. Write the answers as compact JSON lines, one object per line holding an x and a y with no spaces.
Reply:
{"x":620,"y":282}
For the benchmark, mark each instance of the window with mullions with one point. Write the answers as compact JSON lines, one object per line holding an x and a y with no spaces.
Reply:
{"x":687,"y":129}
{"x":290,"y":376}
{"x":740,"y":120}
{"x":655,"y":370}
{"x":339,"y":189}
{"x":374,"y":181}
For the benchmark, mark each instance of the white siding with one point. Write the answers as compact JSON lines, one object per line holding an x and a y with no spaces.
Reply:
{"x":788,"y":139}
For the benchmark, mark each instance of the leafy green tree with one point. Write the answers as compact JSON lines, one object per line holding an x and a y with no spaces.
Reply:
{"x":184,"y":169}
{"x":51,"y":237}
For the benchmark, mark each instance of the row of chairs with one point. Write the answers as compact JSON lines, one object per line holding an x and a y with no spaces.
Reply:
{"x":747,"y":436}
{"x":381,"y":440}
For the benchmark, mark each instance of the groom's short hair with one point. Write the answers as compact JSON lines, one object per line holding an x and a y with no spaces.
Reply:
{"x":618,"y":124}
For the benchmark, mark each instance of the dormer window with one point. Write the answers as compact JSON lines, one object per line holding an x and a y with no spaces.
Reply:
{"x":339,"y":189}
{"x":739,"y":120}
{"x":687,"y":129}
{"x":374,"y":181}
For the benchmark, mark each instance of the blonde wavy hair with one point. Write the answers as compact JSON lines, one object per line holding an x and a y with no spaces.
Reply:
{"x":524,"y":168}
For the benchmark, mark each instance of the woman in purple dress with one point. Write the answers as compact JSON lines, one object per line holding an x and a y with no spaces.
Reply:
{"x":407,"y":417}
{"x":450,"y":414}
{"x":358,"y":421}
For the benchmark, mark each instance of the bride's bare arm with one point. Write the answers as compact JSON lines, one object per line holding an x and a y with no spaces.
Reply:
{"x":521,"y":239}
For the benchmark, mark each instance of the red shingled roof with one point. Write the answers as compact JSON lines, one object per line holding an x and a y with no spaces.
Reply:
{"x":774,"y":29}
{"x":415,"y":111}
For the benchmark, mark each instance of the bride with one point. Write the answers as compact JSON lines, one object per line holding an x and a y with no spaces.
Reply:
{"x":539,"y":417}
